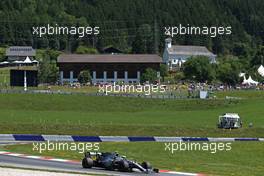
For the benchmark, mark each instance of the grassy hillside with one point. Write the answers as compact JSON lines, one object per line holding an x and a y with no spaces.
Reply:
{"x":84,"y":115}
{"x":122,"y":22}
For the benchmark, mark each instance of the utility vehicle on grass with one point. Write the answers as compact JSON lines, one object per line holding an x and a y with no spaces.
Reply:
{"x":229,"y":121}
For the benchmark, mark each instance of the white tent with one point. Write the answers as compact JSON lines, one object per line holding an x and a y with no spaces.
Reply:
{"x":261,"y":70}
{"x":245,"y":81}
{"x":18,"y":62}
{"x":35,"y":61}
{"x":27,"y":61}
{"x":5,"y":62}
{"x":242,"y":75}
{"x":249,"y":81}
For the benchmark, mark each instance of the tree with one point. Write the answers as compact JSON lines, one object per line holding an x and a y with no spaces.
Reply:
{"x":2,"y":54}
{"x":218,"y":45}
{"x":241,"y":49}
{"x":228,"y":72}
{"x":178,"y":76}
{"x":150,"y":75}
{"x":84,"y":77}
{"x":163,"y":71}
{"x":48,"y":72}
{"x":199,"y":69}
{"x":143,"y":42}
{"x":258,"y":59}
{"x":85,"y":50}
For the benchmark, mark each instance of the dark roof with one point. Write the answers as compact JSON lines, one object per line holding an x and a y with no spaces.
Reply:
{"x":20,"y":51}
{"x":109,"y":58}
{"x":111,"y":49}
{"x":189,"y":50}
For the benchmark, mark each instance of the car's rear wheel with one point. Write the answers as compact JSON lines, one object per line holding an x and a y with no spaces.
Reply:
{"x":87,"y":163}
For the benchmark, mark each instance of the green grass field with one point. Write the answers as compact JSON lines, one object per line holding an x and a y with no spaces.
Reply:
{"x":245,"y":158}
{"x":90,"y":115}
{"x":4,"y":77}
{"x":86,"y":115}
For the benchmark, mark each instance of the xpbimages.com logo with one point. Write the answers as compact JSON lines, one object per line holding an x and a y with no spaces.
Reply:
{"x":212,"y":31}
{"x":64,"y":146}
{"x":146,"y":89}
{"x":65,"y":30}
{"x":212,"y":147}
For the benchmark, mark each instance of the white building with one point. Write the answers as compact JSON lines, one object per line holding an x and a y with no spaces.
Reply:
{"x":175,"y":55}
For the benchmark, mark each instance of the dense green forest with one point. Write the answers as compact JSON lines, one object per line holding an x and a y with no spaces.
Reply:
{"x":133,"y":25}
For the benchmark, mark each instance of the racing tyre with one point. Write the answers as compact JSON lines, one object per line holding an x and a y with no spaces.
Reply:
{"x":87,"y":163}
{"x":123,"y":166}
{"x":146,"y":165}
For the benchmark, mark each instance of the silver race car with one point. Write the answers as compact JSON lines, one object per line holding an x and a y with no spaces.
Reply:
{"x":113,"y":161}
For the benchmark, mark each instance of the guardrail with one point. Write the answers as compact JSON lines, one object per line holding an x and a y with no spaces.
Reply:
{"x":69,"y":138}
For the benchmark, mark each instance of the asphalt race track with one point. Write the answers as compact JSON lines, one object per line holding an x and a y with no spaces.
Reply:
{"x":13,"y":161}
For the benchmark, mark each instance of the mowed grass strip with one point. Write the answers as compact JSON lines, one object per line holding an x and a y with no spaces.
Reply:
{"x":248,"y":94}
{"x":245,"y":158}
{"x":90,"y":115}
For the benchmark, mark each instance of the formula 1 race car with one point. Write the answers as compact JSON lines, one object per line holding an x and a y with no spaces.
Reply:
{"x":112,"y":161}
